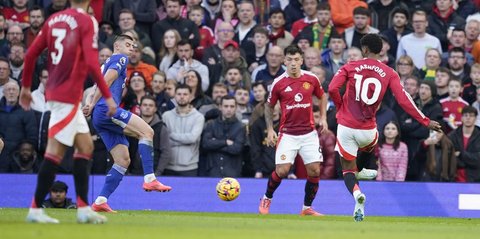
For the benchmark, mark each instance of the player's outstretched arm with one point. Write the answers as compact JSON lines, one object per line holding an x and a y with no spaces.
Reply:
{"x":406,"y":102}
{"x":271,"y":134}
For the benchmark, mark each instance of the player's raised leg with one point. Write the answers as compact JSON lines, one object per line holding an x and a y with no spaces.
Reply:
{"x":280,"y":172}
{"x":121,"y":160}
{"x":138,"y":128}
{"x":81,"y":158}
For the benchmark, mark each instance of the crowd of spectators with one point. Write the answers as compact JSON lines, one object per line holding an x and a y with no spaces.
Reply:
{"x":201,"y":72}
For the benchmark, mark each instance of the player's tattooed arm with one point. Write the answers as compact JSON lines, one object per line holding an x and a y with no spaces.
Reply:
{"x":271,"y":134}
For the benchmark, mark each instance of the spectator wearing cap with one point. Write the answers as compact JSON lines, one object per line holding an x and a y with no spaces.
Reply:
{"x":399,"y":27}
{"x":385,"y":57}
{"x":413,"y":133}
{"x":232,"y":58}
{"x":135,"y":63}
{"x":185,"y":62}
{"x":212,"y":57}
{"x":360,"y":28}
{"x":58,"y":197}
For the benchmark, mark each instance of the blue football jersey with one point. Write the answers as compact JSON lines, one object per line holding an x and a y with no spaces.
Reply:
{"x":119,"y":63}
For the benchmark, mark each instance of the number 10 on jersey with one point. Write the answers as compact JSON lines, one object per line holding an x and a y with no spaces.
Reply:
{"x":361,"y":89}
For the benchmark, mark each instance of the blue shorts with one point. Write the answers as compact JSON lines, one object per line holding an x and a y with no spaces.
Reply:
{"x":110,"y":129}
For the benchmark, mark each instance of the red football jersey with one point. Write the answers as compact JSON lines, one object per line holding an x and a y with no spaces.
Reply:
{"x":366,"y":83}
{"x":296,"y":101}
{"x":452,"y":110}
{"x":12,"y":14}
{"x":70,"y":37}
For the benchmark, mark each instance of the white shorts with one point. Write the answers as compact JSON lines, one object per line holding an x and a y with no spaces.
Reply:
{"x":349,"y":141}
{"x":66,"y":120}
{"x":307,"y":145}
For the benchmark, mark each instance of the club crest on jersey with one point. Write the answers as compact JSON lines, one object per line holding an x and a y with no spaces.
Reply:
{"x":122,"y":60}
{"x":306,"y":85}
{"x":124,"y":115}
{"x":298,"y":97}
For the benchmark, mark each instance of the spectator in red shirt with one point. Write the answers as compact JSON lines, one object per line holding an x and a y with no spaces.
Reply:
{"x":17,"y":14}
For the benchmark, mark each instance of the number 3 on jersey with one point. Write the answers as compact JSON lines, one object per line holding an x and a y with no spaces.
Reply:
{"x":361,"y":89}
{"x":59,"y":35}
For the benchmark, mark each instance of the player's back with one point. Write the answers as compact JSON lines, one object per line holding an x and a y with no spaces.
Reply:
{"x":117,"y":62}
{"x":367,"y":82}
{"x":64,"y":33}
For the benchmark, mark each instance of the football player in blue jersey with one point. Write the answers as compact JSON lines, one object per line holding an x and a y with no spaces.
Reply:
{"x":113,"y":130}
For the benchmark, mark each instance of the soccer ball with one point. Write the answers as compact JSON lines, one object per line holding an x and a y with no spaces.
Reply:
{"x":228,"y":189}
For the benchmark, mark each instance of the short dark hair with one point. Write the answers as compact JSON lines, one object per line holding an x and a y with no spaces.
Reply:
{"x":220,"y":85}
{"x":456,"y":49}
{"x":183,"y":86}
{"x":401,"y":10}
{"x":469,"y":110}
{"x":323,"y":6}
{"x":184,"y":42}
{"x":37,"y":8}
{"x":257,"y":83}
{"x":373,"y":42}
{"x":148,"y":97}
{"x":292,"y":50}
{"x":453,"y":78}
{"x":361,"y":11}
{"x":228,"y":97}
{"x":277,"y":11}
{"x":459,"y":29}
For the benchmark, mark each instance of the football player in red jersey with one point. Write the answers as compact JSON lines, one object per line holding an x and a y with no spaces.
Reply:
{"x":366,"y":82}
{"x":70,"y":37}
{"x":297,"y":134}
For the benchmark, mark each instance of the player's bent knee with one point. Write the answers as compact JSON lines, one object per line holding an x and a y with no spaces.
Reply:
{"x":148,"y":133}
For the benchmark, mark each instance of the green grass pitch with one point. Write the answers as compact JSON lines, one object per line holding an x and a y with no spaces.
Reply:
{"x":161,"y":224}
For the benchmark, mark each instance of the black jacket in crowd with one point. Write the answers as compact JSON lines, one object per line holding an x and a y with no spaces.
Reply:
{"x":223,"y":160}
{"x":469,"y":158}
